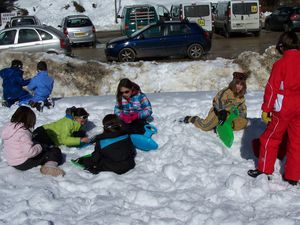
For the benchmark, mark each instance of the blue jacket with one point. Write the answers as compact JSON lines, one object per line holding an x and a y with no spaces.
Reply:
{"x":42,"y":85}
{"x":12,"y":83}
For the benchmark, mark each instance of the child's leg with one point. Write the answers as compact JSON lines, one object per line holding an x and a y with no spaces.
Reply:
{"x":209,"y":123}
{"x":239,"y":123}
{"x":40,"y":135}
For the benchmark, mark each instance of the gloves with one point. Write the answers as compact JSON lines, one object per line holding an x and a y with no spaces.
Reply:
{"x":189,"y":119}
{"x":222,"y":116}
{"x":125,"y":117}
{"x":266,"y":117}
{"x":134,"y":116}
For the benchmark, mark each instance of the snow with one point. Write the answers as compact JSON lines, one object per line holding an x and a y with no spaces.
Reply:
{"x":191,"y":179}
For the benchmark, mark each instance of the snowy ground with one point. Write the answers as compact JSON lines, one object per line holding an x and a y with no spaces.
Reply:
{"x":191,"y":179}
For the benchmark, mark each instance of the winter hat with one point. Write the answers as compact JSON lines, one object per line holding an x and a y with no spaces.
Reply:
{"x":240,"y":76}
{"x":112,"y":121}
{"x":78,"y":112}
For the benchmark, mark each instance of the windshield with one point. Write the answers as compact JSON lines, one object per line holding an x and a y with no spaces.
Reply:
{"x":136,"y":33}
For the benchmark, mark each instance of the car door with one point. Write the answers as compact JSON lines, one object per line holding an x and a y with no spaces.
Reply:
{"x":176,"y":38}
{"x":278,"y":18}
{"x":149,"y":43}
{"x":7,"y":39}
{"x":29,"y":40}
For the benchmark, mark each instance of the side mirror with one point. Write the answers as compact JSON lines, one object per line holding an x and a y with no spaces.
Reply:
{"x":59,"y":26}
{"x":141,"y":37}
{"x":120,"y":17}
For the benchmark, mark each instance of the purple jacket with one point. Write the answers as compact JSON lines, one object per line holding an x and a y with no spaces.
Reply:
{"x":18,"y":145}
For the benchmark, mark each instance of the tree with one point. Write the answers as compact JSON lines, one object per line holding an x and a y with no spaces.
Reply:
{"x":6,"y":5}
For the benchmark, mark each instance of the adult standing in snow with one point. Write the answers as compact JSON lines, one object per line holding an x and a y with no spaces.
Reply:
{"x":13,"y":83}
{"x":281,"y":111}
{"x":231,"y":96}
{"x":41,"y":85}
{"x":132,"y":106}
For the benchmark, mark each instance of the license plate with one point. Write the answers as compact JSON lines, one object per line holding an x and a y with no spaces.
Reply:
{"x":80,"y":34}
{"x":201,"y":22}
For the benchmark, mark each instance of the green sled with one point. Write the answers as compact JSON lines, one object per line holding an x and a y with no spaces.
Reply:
{"x":75,"y":163}
{"x":225,"y":131}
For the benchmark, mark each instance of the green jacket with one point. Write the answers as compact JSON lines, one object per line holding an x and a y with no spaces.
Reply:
{"x":61,"y":131}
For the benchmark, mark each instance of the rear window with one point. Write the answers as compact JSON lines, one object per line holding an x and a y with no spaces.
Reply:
{"x":79,"y":22}
{"x":244,"y":8}
{"x":196,"y":11}
{"x":142,"y":13}
{"x":23,"y":21}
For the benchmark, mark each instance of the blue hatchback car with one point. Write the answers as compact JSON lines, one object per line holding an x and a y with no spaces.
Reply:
{"x":162,"y":39}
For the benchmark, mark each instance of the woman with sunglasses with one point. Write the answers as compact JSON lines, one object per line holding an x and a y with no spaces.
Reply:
{"x":65,"y":131}
{"x":132,"y":106}
{"x":231,"y":96}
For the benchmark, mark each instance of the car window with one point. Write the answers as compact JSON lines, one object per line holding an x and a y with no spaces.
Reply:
{"x":154,"y":31}
{"x":175,"y":11}
{"x":79,"y":22}
{"x":244,"y":8}
{"x":196,"y":10}
{"x":44,"y":35}
{"x":177,"y":29}
{"x":28,"y":35}
{"x":22,"y":21}
{"x":7,"y":37}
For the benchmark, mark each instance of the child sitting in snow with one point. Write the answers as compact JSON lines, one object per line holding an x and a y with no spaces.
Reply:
{"x":114,"y":150}
{"x":66,"y":131}
{"x":132,"y":106}
{"x":21,"y":152}
{"x":233,"y":95}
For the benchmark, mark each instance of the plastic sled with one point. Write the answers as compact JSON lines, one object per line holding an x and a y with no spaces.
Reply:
{"x":145,"y":142}
{"x":75,"y":161}
{"x":225,"y":131}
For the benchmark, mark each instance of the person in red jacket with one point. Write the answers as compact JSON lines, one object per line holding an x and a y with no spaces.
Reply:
{"x":281,"y":111}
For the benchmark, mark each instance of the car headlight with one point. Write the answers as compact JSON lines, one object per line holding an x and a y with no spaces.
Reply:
{"x":110,"y":45}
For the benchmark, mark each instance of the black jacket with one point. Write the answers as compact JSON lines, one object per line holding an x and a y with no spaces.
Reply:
{"x":117,"y":157}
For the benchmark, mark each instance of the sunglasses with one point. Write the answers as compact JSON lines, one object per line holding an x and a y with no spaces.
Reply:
{"x":125,"y":92}
{"x":83,"y":117}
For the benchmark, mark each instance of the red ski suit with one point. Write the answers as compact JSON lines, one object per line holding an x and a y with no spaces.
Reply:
{"x":282,"y":100}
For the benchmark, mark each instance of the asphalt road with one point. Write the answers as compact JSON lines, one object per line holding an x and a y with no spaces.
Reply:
{"x":221,"y":47}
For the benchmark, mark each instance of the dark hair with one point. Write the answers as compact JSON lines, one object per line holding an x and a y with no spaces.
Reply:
{"x":73,"y":111}
{"x":112,"y":123}
{"x":24,"y":115}
{"x":16,"y":63}
{"x":287,"y":40}
{"x":41,"y":66}
{"x":232,"y":87}
{"x":125,"y":82}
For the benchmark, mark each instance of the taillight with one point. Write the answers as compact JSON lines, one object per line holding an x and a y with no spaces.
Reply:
{"x":62,"y":43}
{"x":65,"y":31}
{"x":206,"y":35}
{"x":294,"y":16}
{"x":94,"y":30}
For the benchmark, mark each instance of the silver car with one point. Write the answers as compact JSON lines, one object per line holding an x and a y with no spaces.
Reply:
{"x":35,"y":38}
{"x":79,"y":29}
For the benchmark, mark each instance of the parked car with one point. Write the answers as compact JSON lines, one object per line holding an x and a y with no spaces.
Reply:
{"x":162,"y":39}
{"x":200,"y":12}
{"x":237,"y":16}
{"x":284,"y":18}
{"x":79,"y":29}
{"x":135,"y":17}
{"x":23,"y":21}
{"x":34,"y":38}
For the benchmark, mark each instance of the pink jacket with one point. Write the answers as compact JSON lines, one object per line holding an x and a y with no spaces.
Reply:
{"x":18,"y":145}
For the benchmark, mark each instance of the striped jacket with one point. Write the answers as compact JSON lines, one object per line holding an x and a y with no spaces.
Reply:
{"x":138,"y":103}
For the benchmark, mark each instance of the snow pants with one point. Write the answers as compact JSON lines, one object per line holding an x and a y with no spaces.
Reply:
{"x":211,"y":121}
{"x":286,"y":120}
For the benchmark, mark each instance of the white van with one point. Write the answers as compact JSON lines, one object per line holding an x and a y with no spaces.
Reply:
{"x":199,"y":12}
{"x":237,"y":16}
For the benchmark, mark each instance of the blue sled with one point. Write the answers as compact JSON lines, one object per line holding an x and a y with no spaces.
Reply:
{"x":144,"y":141}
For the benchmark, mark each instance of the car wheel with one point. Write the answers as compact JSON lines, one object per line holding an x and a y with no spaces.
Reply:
{"x":256,"y":33}
{"x":126,"y":55}
{"x":195,"y":51}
